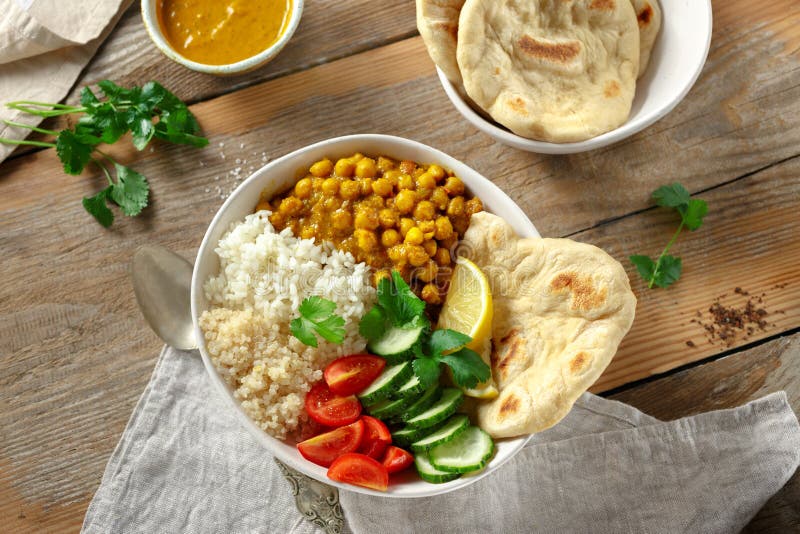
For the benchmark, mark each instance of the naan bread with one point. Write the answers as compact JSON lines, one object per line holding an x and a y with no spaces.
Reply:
{"x":437,"y":22}
{"x":648,"y":14}
{"x":553,"y":70}
{"x":561,"y":309}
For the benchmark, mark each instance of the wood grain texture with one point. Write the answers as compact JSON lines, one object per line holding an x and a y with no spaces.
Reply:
{"x":75,"y":353}
{"x":726,"y":383}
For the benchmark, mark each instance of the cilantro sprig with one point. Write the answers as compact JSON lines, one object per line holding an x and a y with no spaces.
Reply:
{"x":666,"y":270}
{"x":398,"y":307}
{"x":123,"y":110}
{"x":317,"y":317}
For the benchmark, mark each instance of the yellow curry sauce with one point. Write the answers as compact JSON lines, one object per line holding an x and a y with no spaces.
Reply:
{"x":391,"y":215}
{"x":220,"y":32}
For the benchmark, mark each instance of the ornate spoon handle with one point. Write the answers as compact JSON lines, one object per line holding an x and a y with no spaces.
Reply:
{"x":318,"y":502}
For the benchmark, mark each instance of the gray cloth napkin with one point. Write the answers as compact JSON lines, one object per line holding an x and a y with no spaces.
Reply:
{"x":185,"y":464}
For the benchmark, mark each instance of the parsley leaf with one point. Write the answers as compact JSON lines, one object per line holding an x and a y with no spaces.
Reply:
{"x":98,"y":208}
{"x":130,"y":192}
{"x":468,"y":367}
{"x":427,"y":370}
{"x":317,"y":317}
{"x":666,"y":269}
{"x":73,"y":152}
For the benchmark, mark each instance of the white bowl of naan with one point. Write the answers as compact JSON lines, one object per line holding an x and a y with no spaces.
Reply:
{"x":565,"y":76}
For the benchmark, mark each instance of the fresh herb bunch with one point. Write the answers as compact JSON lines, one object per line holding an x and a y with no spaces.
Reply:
{"x":317,"y":317}
{"x":667,"y":269}
{"x":106,"y":121}
{"x":399,"y":307}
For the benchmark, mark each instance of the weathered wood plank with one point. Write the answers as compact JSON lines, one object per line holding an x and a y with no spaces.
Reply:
{"x":725,"y":383}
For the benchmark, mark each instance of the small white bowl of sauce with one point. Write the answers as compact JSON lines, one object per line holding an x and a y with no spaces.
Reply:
{"x":222,"y":37}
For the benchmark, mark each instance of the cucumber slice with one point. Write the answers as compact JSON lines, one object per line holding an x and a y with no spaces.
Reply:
{"x":412,"y":387}
{"x":388,"y":382}
{"x":423,"y":402}
{"x":395,"y":344}
{"x":387,"y":409}
{"x":469,"y":451}
{"x":447,"y":432}
{"x":445,"y":407}
{"x":407,"y":435}
{"x":429,"y":473}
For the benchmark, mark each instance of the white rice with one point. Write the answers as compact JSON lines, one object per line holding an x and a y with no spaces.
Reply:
{"x":264,"y":276}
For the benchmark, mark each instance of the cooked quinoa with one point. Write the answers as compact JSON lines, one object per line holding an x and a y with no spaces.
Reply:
{"x":264,"y":276}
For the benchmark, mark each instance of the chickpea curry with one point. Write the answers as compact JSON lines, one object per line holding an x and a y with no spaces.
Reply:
{"x":389,"y":214}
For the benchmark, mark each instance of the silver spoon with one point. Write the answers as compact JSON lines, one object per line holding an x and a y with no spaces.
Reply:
{"x":161,"y":282}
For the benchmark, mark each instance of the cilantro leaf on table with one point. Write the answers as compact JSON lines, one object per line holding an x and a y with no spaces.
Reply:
{"x":147,"y":112}
{"x":667,"y":269}
{"x":317,"y":317}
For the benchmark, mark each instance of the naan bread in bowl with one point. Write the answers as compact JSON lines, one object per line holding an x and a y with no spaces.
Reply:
{"x":561,"y":309}
{"x":553,"y":70}
{"x":648,"y":16}
{"x":437,"y":22}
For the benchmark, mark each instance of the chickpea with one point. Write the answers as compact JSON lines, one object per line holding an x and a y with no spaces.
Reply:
{"x":444,"y":228}
{"x":417,"y":256}
{"x":345,"y":167}
{"x":398,"y":254}
{"x":385,"y":164}
{"x":393,"y":175}
{"x":414,"y":237}
{"x":406,"y":182}
{"x":437,"y":172}
{"x":365,"y":186}
{"x":460,"y":224}
{"x":264,"y":205}
{"x":316,"y":183}
{"x":424,"y":194}
{"x":366,"y":239}
{"x":365,"y":168}
{"x":424,"y":211}
{"x":430,"y":247}
{"x":454,"y":186}
{"x":367,"y":218}
{"x":442,"y":257}
{"x":342,"y":220}
{"x":322,"y":168}
{"x":439,"y":197}
{"x":278,"y":220}
{"x":330,"y":186}
{"x":427,"y":273}
{"x":430,"y":294}
{"x":473,"y":206}
{"x":455,"y":207}
{"x":355,"y":158}
{"x":448,"y":243}
{"x":428,"y":228}
{"x":349,"y":189}
{"x":407,"y":167}
{"x":380,"y":275}
{"x":426,"y":181}
{"x":290,"y":206}
{"x":390,"y":237}
{"x":303,"y":187}
{"x":332,"y":203}
{"x":404,"y":201}
{"x":406,"y":224}
{"x":388,"y":217}
{"x":381,"y":186}
{"x":308,"y":232}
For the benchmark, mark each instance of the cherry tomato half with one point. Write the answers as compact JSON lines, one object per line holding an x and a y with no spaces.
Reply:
{"x":352,"y":374}
{"x":325,"y":448}
{"x":360,"y":470}
{"x":330,"y":409}
{"x":376,"y":438}
{"x":397,"y":459}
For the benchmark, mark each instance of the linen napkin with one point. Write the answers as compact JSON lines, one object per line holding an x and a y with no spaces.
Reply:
{"x":185,"y":464}
{"x":44,"y":46}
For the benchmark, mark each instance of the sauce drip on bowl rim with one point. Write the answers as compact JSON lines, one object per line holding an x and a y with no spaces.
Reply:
{"x":221,"y":32}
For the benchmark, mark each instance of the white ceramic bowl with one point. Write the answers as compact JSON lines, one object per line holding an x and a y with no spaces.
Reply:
{"x":150,"y":17}
{"x":676,"y":61}
{"x":278,"y":176}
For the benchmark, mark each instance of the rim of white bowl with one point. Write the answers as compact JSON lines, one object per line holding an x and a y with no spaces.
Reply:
{"x":148,"y":8}
{"x":618,"y":134}
{"x":206,"y":247}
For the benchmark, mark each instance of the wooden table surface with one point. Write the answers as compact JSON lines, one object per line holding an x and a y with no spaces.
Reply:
{"x":75,"y":354}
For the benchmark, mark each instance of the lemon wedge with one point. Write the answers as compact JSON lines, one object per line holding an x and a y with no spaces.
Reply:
{"x":468,"y":309}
